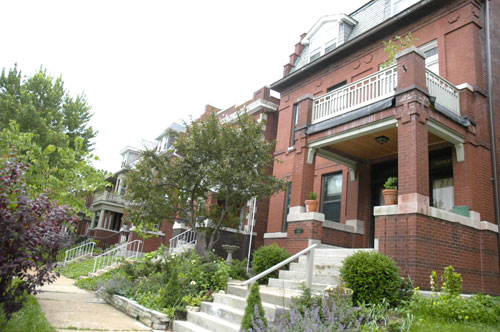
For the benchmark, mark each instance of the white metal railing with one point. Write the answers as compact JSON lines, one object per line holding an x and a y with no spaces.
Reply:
{"x":180,"y":241}
{"x":86,"y":249}
{"x":309,"y":267}
{"x":109,"y":197}
{"x":116,"y":255}
{"x":446,"y":93}
{"x":360,"y":93}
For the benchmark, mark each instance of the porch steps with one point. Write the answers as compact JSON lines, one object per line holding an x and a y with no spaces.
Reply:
{"x":226,"y":312}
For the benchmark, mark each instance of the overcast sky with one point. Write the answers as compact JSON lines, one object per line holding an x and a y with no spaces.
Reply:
{"x":144,"y":64}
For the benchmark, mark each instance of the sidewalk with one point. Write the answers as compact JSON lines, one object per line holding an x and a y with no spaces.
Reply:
{"x":69,"y":308}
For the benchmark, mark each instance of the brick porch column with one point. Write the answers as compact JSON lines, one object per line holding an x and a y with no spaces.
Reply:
{"x":411,"y":112}
{"x":302,"y":225}
{"x":303,"y":173}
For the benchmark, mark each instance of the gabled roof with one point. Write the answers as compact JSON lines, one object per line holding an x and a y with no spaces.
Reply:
{"x":326,"y":19}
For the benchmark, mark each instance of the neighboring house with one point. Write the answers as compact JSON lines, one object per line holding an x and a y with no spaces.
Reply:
{"x":346,"y":124}
{"x":107,"y":225}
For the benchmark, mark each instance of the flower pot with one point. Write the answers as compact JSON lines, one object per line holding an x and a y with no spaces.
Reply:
{"x":390,"y":196}
{"x":311,"y":205}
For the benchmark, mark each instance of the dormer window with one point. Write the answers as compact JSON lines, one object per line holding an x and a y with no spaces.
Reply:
{"x":325,"y":36}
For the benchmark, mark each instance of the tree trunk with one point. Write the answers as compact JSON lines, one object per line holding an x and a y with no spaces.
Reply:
{"x":201,"y":244}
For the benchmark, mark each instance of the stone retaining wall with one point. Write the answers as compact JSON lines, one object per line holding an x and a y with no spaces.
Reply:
{"x":148,"y":317}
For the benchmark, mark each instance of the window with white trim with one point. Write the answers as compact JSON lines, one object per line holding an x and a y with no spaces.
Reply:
{"x":323,"y":41}
{"x":331,"y":199}
{"x":430,"y":51}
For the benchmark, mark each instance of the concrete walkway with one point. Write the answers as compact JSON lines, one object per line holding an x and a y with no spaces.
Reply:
{"x":69,"y":308}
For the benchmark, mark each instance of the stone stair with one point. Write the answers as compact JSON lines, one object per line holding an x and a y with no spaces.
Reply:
{"x":226,"y":312}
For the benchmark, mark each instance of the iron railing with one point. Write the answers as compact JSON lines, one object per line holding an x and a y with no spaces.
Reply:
{"x":181,"y":241}
{"x":86,"y":249}
{"x":116,"y":255}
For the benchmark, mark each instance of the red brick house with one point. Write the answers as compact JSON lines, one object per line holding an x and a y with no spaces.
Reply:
{"x":346,"y":124}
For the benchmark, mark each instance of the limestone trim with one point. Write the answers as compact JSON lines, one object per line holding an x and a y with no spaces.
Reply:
{"x":275,"y":235}
{"x":419,"y":204}
{"x":351,"y":164}
{"x":349,"y":228}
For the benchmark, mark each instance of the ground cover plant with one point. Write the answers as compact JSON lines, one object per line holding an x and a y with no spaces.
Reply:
{"x":163,"y":282}
{"x":77,"y":269}
{"x":29,"y":318}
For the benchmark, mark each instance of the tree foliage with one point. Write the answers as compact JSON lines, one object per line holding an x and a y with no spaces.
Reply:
{"x":31,"y":234}
{"x":49,"y":129}
{"x":230,"y":161}
{"x":70,"y":182}
{"x":41,"y":106}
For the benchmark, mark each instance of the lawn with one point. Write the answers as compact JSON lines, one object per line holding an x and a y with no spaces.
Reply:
{"x":77,"y":269}
{"x":423,"y":323}
{"x":29,"y":319}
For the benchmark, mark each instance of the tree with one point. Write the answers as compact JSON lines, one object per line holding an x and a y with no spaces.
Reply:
{"x":31,"y":235}
{"x":69,"y":183}
{"x":230,"y":161}
{"x":49,"y":129}
{"x":41,"y":106}
{"x":254,"y":309}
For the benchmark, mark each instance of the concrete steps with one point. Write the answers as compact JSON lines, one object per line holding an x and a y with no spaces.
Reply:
{"x":227,"y":310}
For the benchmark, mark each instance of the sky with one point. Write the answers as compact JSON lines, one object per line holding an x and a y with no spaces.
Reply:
{"x":145,"y":64}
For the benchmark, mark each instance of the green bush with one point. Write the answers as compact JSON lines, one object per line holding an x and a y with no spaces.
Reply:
{"x":238,"y":269}
{"x":373,"y":277}
{"x":254,"y":306}
{"x":266,"y":257}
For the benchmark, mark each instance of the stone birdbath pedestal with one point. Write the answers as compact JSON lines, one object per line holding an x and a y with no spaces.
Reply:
{"x":229,"y":248}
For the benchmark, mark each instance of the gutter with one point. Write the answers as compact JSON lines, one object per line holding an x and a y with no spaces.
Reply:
{"x":492,"y":121}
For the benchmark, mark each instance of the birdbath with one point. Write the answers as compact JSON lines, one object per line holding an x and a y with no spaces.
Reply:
{"x":229,"y":248}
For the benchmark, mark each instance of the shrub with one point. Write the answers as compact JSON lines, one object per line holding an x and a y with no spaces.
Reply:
{"x":372,"y":276}
{"x":31,"y":236}
{"x":118,"y":285}
{"x":253,"y":309}
{"x":238,"y":269}
{"x":266,"y":257}
{"x":452,"y":281}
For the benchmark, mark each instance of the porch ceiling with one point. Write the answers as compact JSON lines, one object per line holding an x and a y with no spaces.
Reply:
{"x":366,"y":147}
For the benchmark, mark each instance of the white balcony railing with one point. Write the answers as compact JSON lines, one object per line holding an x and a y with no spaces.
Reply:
{"x":376,"y":87}
{"x":446,"y":93}
{"x":360,"y":93}
{"x":109,"y":197}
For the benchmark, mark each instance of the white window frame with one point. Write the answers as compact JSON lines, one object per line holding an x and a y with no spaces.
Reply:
{"x":404,"y":6}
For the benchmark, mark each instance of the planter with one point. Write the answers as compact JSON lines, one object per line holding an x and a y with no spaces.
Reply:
{"x":390,"y":196}
{"x":336,"y":294}
{"x":311,"y":205}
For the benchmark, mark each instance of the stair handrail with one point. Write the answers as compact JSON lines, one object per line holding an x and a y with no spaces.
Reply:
{"x":111,"y":256}
{"x":86,"y":249}
{"x":174,"y":240}
{"x":309,"y":267}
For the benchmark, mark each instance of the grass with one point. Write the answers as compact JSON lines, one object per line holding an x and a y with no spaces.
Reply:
{"x":77,"y":269}
{"x":424,"y":323}
{"x":29,"y":319}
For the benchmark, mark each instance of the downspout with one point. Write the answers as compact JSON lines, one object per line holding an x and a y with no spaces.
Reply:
{"x":492,"y":122}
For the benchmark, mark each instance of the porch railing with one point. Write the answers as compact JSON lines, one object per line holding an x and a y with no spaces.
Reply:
{"x":116,"y":255}
{"x":446,"y":93}
{"x":109,"y":197}
{"x":86,"y":249}
{"x":180,"y":241}
{"x":360,"y":93}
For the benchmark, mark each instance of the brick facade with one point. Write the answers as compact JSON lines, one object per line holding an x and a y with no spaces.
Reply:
{"x":416,"y":125}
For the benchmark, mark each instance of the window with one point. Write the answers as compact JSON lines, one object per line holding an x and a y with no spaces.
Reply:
{"x":295,"y":119}
{"x":288,"y":195}
{"x":336,"y":86}
{"x":332,"y":196}
{"x":400,"y":5}
{"x":324,"y":40}
{"x":430,"y":51}
{"x":441,"y":179}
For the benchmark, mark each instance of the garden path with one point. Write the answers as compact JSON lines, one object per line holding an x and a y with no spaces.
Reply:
{"x":69,"y":308}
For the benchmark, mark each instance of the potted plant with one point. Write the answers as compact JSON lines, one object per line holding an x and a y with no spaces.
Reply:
{"x":391,"y":191}
{"x":312,"y":202}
